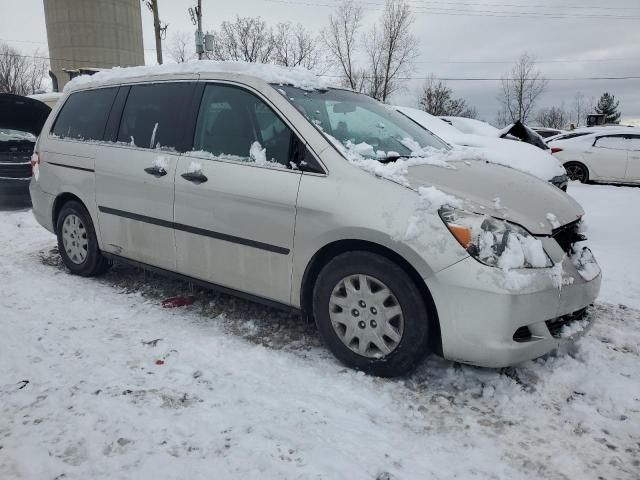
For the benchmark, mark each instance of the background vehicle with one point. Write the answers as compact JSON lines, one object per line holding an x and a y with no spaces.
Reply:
{"x":312,"y":198}
{"x":21,"y":119}
{"x":608,"y":155}
{"x":518,"y":155}
{"x":545,"y":132}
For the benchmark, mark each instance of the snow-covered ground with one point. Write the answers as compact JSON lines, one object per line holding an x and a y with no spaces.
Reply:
{"x":98,"y":381}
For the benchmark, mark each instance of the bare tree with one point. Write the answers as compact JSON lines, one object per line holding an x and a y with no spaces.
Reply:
{"x":580,"y":107}
{"x":247,"y":39}
{"x":21,"y":74}
{"x":436,"y":99}
{"x":521,"y":87}
{"x":294,"y":46}
{"x":180,"y":47}
{"x":340,"y":38}
{"x":552,"y":117}
{"x":399,"y":45}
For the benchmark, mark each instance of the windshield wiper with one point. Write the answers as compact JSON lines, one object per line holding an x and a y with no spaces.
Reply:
{"x":393,"y":158}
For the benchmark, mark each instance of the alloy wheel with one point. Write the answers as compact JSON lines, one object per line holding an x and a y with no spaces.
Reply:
{"x":576,"y":172}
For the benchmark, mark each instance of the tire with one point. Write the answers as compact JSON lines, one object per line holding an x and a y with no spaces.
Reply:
{"x":77,"y":242}
{"x":577,"y":171}
{"x":340,"y":282}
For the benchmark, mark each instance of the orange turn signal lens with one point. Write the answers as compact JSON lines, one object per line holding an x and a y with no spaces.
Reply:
{"x":462,"y":234}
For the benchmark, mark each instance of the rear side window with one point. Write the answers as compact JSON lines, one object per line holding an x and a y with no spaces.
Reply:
{"x":614,"y":142}
{"x":84,"y":114}
{"x":151,"y":116}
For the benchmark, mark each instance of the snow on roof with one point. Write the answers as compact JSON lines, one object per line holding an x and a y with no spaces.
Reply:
{"x":297,"y":76}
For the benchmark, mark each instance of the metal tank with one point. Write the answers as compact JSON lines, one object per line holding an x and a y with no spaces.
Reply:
{"x":85,"y":35}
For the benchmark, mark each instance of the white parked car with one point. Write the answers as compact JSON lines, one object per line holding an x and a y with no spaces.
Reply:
{"x":518,"y":155}
{"x":608,"y":155}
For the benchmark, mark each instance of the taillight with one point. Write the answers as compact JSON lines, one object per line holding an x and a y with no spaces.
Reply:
{"x":35,"y":165}
{"x":35,"y":160}
{"x":555,"y":150}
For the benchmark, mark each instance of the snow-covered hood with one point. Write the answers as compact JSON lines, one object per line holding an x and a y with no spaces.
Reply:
{"x":501,"y":192}
{"x":514,"y":154}
{"x":510,"y":153}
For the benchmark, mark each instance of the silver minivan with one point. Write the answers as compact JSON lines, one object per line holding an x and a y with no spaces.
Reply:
{"x":265,"y":183}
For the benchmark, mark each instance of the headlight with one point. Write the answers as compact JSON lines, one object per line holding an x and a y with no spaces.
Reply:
{"x":495,"y":242}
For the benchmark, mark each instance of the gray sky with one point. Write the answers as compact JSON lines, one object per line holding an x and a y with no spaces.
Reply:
{"x":458,"y":38}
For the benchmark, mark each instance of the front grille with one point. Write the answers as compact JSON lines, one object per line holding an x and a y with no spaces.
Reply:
{"x":567,"y":235}
{"x":555,"y":325}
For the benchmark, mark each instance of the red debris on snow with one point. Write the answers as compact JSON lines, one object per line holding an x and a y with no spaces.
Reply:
{"x":159,"y":362}
{"x":173,"y":302}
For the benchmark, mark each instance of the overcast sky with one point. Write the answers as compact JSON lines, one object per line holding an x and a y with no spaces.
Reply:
{"x":458,"y":38}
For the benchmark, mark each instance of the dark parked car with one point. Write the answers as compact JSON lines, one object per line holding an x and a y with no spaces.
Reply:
{"x":21,"y":119}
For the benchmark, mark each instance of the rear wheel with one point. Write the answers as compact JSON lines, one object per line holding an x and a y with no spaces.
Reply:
{"x":370,"y":314}
{"x":77,"y":242}
{"x":577,"y":171}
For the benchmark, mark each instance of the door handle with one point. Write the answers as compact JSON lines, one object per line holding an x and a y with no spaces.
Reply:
{"x":195,"y":177}
{"x":156,"y":171}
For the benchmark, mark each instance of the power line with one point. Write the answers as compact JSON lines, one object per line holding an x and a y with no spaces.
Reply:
{"x":474,"y":13}
{"x":509,"y":62}
{"x":498,"y":79}
{"x":453,"y":79}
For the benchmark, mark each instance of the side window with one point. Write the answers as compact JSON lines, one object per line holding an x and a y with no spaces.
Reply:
{"x":84,"y":114}
{"x":234,"y":124}
{"x":634,"y":144}
{"x":151,"y":115}
{"x":613,"y":142}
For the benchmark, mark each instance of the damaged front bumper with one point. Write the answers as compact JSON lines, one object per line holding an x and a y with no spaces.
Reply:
{"x":495,"y":318}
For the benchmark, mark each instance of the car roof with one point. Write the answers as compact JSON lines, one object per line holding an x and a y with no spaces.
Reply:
{"x":207,"y":69}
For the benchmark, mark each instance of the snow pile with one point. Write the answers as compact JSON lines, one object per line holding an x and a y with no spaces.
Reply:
{"x":296,"y":76}
{"x":258,"y":154}
{"x":194,"y":167}
{"x":430,"y":200}
{"x":553,"y":220}
{"x":161,"y":163}
{"x":396,"y":170}
{"x":584,"y":261}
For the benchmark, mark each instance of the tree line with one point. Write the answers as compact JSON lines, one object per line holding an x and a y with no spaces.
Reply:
{"x":377,"y":61}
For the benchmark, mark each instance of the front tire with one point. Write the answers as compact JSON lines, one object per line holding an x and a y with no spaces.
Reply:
{"x":577,"y":171}
{"x":370,"y":314}
{"x":77,"y":241}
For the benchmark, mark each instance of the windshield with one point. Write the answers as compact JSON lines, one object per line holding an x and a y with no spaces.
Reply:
{"x":359,"y":122}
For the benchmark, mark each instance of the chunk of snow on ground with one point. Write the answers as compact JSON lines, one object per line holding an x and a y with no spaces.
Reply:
{"x":497,"y":204}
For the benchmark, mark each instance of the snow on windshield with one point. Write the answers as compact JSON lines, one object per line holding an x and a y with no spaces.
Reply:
{"x":297,"y":76}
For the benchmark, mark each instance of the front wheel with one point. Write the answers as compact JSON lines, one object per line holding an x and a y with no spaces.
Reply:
{"x":77,"y":242}
{"x":577,"y":171}
{"x":370,"y":314}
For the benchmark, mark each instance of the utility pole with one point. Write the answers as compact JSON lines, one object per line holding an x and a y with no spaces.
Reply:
{"x":156,"y":28}
{"x":159,"y":29}
{"x":200,"y":36}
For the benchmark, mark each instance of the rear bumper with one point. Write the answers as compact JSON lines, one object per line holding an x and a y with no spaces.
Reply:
{"x":14,"y":189}
{"x":42,"y":203}
{"x":479,"y":316}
